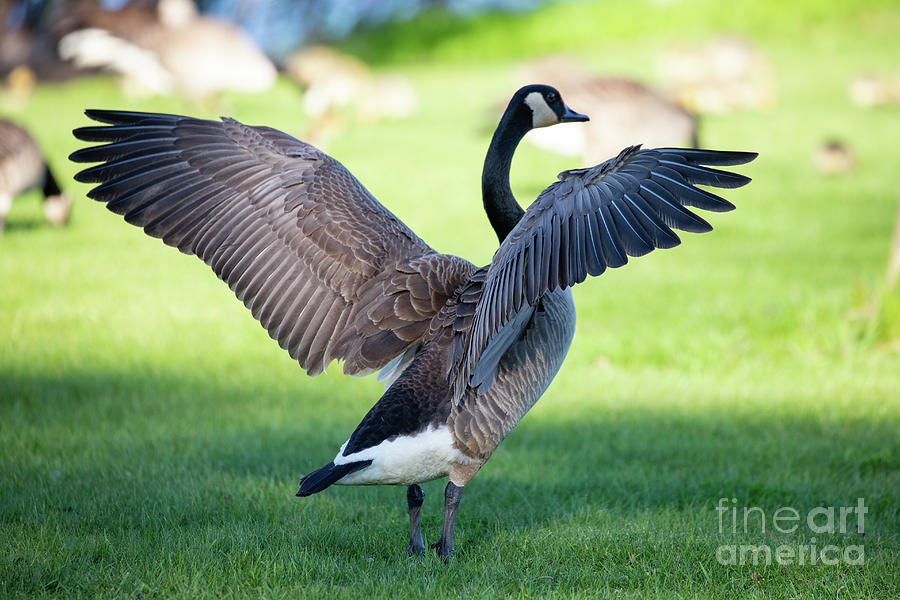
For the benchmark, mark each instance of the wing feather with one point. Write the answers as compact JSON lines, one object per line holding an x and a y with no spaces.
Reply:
{"x":587,"y":221}
{"x":317,"y":260}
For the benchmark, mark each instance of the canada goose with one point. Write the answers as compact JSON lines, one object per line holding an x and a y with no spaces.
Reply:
{"x":315,"y":64}
{"x":164,"y":48}
{"x":22,"y":167}
{"x":726,"y":74}
{"x":331,"y":274}
{"x":869,"y":91}
{"x":27,"y":47}
{"x":334,"y":81}
{"x":834,"y":158}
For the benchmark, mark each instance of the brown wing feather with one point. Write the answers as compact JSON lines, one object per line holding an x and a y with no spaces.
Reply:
{"x":328,"y":271}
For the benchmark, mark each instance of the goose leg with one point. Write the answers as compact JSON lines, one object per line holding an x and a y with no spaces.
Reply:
{"x":444,"y":546}
{"x":414,"y":499}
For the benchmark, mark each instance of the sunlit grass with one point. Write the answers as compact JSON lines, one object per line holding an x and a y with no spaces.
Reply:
{"x":152,"y":433}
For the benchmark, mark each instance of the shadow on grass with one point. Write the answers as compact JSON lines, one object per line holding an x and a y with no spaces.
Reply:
{"x":112,"y":451}
{"x":115,"y":484}
{"x":19,"y":224}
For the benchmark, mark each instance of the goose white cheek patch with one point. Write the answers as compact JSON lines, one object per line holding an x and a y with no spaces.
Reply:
{"x":541,"y":113}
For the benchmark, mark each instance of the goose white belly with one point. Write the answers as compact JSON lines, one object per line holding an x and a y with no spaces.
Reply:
{"x":406,"y":459}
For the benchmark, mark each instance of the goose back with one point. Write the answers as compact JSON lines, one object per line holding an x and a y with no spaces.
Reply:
{"x":21,"y":163}
{"x":420,"y":401}
{"x":521,"y":374}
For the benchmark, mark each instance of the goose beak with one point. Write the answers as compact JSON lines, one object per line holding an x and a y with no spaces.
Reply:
{"x":570,"y":116}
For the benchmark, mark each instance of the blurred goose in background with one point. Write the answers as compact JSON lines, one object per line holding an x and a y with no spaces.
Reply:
{"x":335,"y":82}
{"x":834,"y":158}
{"x":22,"y":167}
{"x":20,"y":83}
{"x":624,"y":112}
{"x":90,"y":36}
{"x":28,"y":50}
{"x":171,"y":48}
{"x":333,"y":275}
{"x":869,"y":91}
{"x":722,"y":76}
{"x":315,"y":64}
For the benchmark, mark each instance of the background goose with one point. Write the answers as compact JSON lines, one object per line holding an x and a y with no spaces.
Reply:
{"x":622,"y":112}
{"x":164,"y":46}
{"x":331,"y":274}
{"x":334,"y":81}
{"x":724,"y":75}
{"x":22,"y":167}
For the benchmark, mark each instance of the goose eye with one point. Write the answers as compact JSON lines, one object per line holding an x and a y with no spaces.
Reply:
{"x":551,"y":98}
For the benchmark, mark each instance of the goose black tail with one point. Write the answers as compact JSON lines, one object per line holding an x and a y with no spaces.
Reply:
{"x":51,"y":188}
{"x":322,"y":477}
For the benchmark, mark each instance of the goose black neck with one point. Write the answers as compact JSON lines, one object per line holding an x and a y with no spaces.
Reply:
{"x":499,"y":203}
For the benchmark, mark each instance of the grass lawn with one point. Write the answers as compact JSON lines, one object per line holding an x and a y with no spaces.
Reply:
{"x":153,"y":434}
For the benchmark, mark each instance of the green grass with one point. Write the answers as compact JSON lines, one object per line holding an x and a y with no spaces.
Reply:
{"x":152,"y":433}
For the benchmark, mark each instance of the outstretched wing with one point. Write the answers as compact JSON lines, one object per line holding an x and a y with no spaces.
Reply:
{"x":587,"y":221}
{"x":328,"y":271}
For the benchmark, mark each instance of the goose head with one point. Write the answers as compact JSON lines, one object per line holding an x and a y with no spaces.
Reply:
{"x":531,"y":107}
{"x":542,"y":106}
